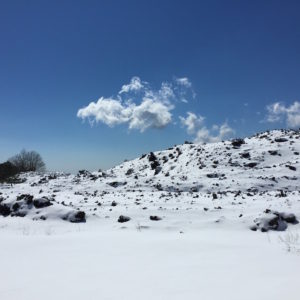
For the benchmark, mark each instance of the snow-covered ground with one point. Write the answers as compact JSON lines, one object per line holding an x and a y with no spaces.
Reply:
{"x":199,"y":222}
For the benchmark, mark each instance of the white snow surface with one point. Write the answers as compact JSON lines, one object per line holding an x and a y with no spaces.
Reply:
{"x":205,"y":197}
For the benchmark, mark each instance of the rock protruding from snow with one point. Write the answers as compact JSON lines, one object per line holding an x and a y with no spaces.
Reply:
{"x":274,"y":220}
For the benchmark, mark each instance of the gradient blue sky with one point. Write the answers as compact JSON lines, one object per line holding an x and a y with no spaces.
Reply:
{"x":58,"y":56}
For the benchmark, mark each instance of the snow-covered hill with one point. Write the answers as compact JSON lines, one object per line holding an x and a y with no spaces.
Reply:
{"x":173,"y":224}
{"x":237,"y":179}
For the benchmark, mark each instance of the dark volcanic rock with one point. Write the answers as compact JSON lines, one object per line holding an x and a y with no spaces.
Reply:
{"x":26,"y":197}
{"x":281,"y":140}
{"x":237,"y":142}
{"x":154,"y":165}
{"x":152,"y":157}
{"x":245,"y":155}
{"x":129,"y":172}
{"x":291,"y":167}
{"x":276,"y":221}
{"x":115,"y":184}
{"x":212,"y":175}
{"x":155,"y":218}
{"x":83,"y":173}
{"x":76,"y":217}
{"x":288,"y":217}
{"x":42,"y":202}
{"x":4,"y":210}
{"x":251,"y":165}
{"x":15,"y":206}
{"x":157,"y":170}
{"x":123,"y":219}
{"x":273,"y":152}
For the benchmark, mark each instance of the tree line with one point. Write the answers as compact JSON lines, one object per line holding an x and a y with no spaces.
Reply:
{"x":25,"y":161}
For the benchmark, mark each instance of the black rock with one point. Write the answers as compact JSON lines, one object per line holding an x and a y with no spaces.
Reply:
{"x":116,"y":184}
{"x":16,"y":206}
{"x":273,"y":152}
{"x":152,"y":157}
{"x":4,"y":210}
{"x":77,"y":217}
{"x":237,"y":142}
{"x":281,"y":140}
{"x":42,"y":202}
{"x":213,"y":175}
{"x":129,"y":172}
{"x":154,"y":165}
{"x":291,"y":167}
{"x":289,"y":218}
{"x":26,"y":197}
{"x":251,"y":165}
{"x":155,"y":218}
{"x":123,"y":219}
{"x":245,"y":155}
{"x":157,"y":170}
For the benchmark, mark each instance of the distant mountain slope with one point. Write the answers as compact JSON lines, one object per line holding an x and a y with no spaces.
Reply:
{"x":253,"y":181}
{"x":267,"y":161}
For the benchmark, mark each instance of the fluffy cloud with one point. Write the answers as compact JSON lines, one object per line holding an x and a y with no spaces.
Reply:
{"x":184,"y":81}
{"x":183,"y":87}
{"x":148,"y":114}
{"x":195,"y":126}
{"x":278,"y":112}
{"x":149,"y":108}
{"x":192,"y":122}
{"x":134,"y":85}
{"x":109,"y":111}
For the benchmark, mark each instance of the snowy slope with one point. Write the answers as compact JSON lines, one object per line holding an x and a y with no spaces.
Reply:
{"x":245,"y":177}
{"x":184,"y":230}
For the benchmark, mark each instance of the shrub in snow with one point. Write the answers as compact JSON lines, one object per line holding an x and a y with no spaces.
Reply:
{"x":7,"y":170}
{"x":27,"y":161}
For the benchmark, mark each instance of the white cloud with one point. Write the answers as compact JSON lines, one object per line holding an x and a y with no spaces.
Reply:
{"x":149,"y":108}
{"x":195,"y":126}
{"x":192,"y":122}
{"x":278,"y":112}
{"x":148,"y":114}
{"x":184,"y":87}
{"x":134,"y":85}
{"x":109,"y":111}
{"x":184,"y":81}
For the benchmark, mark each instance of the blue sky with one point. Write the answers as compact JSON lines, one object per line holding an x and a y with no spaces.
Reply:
{"x":240,"y":61}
